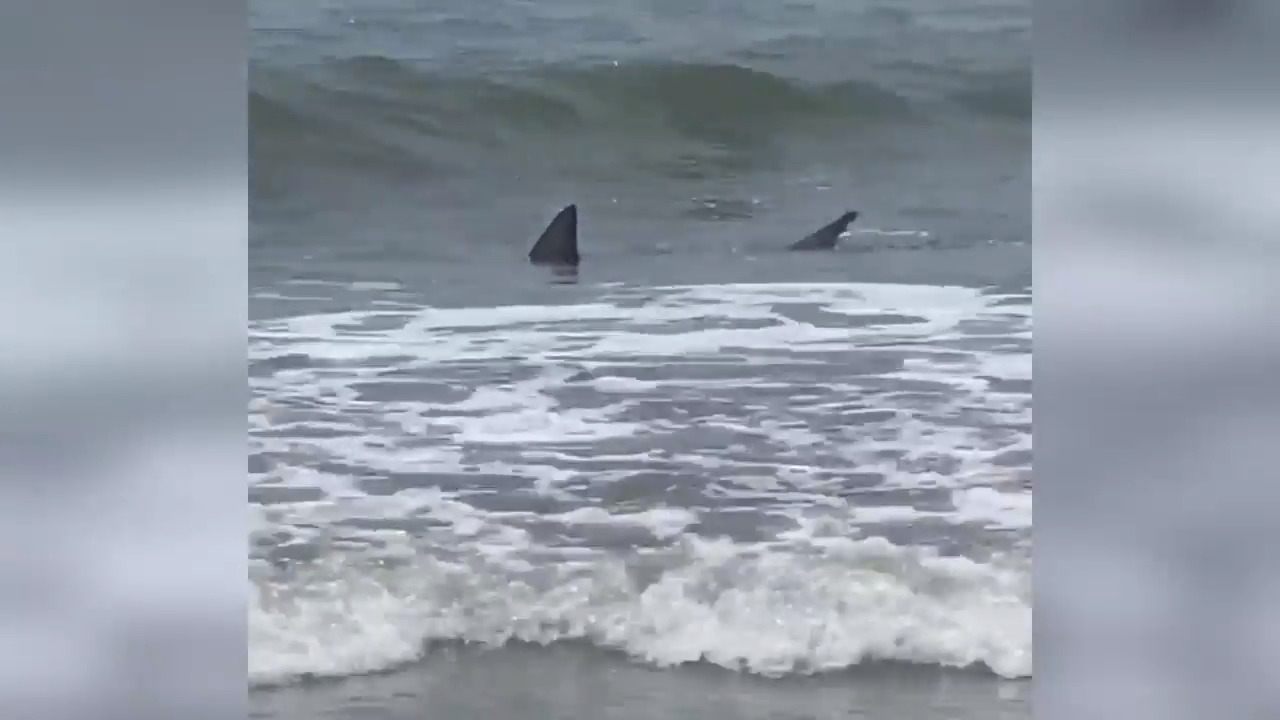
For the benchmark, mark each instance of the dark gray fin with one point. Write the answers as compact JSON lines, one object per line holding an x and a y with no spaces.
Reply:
{"x":826,"y":237}
{"x":558,"y":244}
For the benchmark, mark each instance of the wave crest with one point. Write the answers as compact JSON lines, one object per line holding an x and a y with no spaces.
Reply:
{"x":771,"y":613}
{"x":651,"y":116}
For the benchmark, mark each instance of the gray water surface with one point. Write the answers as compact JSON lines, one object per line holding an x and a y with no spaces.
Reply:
{"x":706,"y":477}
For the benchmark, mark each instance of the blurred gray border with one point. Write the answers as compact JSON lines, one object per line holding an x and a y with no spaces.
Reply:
{"x":123,"y":200}
{"x":1156,"y":358}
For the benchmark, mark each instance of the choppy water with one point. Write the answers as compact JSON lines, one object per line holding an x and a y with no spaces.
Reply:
{"x":709,"y":468}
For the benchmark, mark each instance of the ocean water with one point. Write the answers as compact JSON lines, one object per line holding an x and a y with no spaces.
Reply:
{"x":703,"y":478}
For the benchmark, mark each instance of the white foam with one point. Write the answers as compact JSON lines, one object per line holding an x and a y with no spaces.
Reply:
{"x":623,"y":385}
{"x":770,"y":614}
{"x":1002,"y":510}
{"x":662,"y":522}
{"x":809,"y":599}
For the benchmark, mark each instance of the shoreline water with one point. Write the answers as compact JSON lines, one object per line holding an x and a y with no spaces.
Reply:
{"x":706,"y":446}
{"x":572,"y":681}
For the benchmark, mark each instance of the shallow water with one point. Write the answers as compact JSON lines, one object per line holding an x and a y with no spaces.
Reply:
{"x":704,"y":469}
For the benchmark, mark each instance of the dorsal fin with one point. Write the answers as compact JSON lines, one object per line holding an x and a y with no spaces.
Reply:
{"x":558,"y":244}
{"x":826,"y":237}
